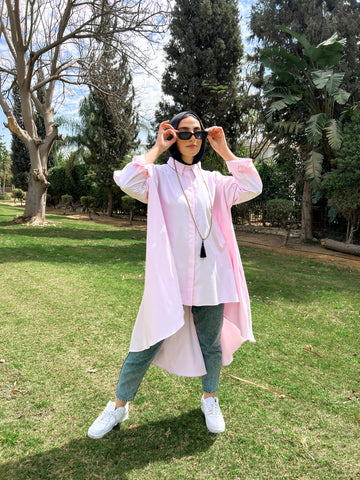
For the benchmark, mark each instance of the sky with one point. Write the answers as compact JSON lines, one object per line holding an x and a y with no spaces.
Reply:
{"x":147,"y":87}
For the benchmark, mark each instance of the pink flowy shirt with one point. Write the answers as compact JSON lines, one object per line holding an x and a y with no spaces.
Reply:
{"x":176,"y":277}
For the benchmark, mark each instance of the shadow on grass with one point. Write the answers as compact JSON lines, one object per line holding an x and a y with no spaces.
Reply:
{"x":50,"y":245}
{"x":72,"y":233}
{"x":88,"y":254}
{"x":121,"y":451}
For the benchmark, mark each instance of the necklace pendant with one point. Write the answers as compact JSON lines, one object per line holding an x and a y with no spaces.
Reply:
{"x":202,"y":251}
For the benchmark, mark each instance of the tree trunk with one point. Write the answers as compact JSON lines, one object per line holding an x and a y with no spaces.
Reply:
{"x":36,"y":195}
{"x":110,"y":202}
{"x":306,"y":213}
{"x":351,"y":249}
{"x":4,"y":179}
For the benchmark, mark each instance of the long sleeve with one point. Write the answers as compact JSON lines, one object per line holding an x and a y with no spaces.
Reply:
{"x":245,"y":182}
{"x":133,"y":178}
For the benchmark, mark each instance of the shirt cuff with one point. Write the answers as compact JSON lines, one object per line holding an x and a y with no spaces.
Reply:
{"x":239,"y":165}
{"x":139,"y":162}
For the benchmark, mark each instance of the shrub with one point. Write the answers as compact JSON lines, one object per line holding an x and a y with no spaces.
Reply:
{"x":278,"y":211}
{"x":241,"y":213}
{"x":17,"y":193}
{"x":67,"y":201}
{"x":4,"y":196}
{"x":88,"y":203}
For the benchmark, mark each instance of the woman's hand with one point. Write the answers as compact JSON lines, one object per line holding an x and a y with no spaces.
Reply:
{"x":217,"y":140}
{"x":165,"y":138}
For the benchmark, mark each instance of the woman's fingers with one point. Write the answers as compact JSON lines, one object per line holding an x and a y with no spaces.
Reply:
{"x":167,"y":132}
{"x":215,"y":132}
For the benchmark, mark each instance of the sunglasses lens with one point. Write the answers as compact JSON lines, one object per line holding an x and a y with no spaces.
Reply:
{"x":184,"y":135}
{"x":201,"y":135}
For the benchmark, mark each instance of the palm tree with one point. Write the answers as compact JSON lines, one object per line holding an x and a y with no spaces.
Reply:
{"x":306,"y":101}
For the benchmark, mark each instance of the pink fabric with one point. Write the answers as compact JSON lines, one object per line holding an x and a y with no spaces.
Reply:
{"x":162,"y":314}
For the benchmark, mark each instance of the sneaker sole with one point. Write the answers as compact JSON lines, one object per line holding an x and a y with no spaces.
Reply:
{"x":99,"y":437}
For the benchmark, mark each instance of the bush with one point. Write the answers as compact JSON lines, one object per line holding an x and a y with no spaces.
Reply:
{"x":17,"y":193}
{"x":4,"y":196}
{"x":241,"y":213}
{"x":87,"y":202}
{"x":77,"y":186}
{"x":278,"y":212}
{"x":67,"y":201}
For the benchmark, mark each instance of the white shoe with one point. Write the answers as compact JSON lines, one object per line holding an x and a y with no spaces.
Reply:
{"x":107,"y":420}
{"x":213,"y":416}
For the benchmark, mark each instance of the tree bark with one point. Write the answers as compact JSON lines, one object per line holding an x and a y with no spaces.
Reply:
{"x":306,"y":213}
{"x":110,"y":202}
{"x":349,"y":248}
{"x":38,"y":184}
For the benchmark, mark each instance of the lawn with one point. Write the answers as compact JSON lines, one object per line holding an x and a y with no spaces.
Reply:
{"x":69,"y":296}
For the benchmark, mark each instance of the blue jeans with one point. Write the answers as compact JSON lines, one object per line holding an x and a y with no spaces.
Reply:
{"x":208,"y":322}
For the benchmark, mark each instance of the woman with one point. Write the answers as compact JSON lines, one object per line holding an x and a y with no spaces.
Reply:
{"x":195,"y":310}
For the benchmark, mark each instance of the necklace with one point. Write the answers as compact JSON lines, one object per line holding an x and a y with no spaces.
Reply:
{"x":202,"y":250}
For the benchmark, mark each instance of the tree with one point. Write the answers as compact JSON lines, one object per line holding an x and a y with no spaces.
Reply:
{"x":61,"y":39}
{"x":109,"y":121}
{"x":306,"y":96}
{"x":4,"y":166}
{"x":343,"y":182}
{"x":203,"y":60}
{"x":20,"y":158}
{"x":317,"y":20}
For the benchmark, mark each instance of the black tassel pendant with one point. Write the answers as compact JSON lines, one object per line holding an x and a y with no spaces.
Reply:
{"x":202,"y":251}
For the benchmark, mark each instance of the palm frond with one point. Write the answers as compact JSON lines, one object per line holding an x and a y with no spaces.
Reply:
{"x":290,"y":127}
{"x":321,"y":77}
{"x":313,"y":167}
{"x":279,"y":105}
{"x":334,"y":134}
{"x":334,"y":83}
{"x":329,"y":52}
{"x":315,"y":127}
{"x":279,"y":59}
{"x":341,"y":96}
{"x":333,"y":40}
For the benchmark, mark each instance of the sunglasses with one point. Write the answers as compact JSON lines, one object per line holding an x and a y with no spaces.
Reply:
{"x":199,"y":135}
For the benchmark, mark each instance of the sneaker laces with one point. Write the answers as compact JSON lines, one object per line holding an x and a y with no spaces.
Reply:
{"x":106,"y":415}
{"x":212,"y":407}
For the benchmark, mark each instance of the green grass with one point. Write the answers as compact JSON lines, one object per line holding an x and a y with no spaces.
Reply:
{"x":69,"y":296}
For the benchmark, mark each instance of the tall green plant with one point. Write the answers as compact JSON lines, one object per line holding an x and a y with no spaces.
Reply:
{"x":109,"y":120}
{"x":342,"y":183}
{"x":203,"y":62}
{"x":317,"y":20}
{"x":305,"y":92}
{"x":307,"y":104}
{"x":4,"y":166}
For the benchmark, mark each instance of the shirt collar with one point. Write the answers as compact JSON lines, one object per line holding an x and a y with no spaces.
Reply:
{"x":184,"y":169}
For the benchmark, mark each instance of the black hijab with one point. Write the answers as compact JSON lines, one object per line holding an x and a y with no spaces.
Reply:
{"x":174,"y":152}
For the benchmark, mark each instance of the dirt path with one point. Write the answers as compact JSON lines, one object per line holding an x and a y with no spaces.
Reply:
{"x":247,"y":238}
{"x":296,"y":247}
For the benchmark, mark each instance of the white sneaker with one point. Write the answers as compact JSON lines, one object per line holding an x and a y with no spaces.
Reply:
{"x":107,"y":420}
{"x":213,"y":416}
